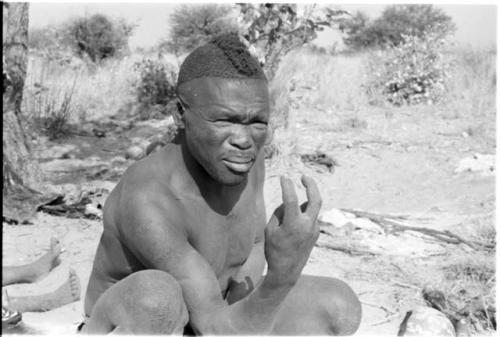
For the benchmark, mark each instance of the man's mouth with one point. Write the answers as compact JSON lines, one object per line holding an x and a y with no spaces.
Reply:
{"x":238,"y":164}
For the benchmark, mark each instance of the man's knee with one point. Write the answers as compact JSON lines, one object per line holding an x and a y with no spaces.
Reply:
{"x":157,"y":300}
{"x":344,"y":310}
{"x":155,"y":285}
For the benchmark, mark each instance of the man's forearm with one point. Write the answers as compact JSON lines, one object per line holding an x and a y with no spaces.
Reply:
{"x":255,"y":314}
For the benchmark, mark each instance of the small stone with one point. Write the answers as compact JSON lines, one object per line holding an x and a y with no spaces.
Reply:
{"x":134,"y":152}
{"x":93,"y":210}
{"x":425,"y":321}
{"x":99,"y":133}
{"x":86,"y":129}
{"x":68,"y":155}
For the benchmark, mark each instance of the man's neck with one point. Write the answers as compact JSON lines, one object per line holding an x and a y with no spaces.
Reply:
{"x":220,"y":197}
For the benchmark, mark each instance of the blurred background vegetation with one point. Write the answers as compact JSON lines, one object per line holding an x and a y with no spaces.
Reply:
{"x":406,"y":56}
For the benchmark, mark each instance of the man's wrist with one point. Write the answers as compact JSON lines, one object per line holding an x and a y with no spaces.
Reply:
{"x":276,"y":282}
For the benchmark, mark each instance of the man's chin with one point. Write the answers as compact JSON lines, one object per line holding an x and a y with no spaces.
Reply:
{"x":226,"y":176}
{"x":233,"y":178}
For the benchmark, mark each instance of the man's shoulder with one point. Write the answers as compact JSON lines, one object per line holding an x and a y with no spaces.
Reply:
{"x":147,"y":183}
{"x":151,"y":174}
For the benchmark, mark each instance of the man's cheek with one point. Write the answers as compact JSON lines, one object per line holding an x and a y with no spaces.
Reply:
{"x":260,"y":138}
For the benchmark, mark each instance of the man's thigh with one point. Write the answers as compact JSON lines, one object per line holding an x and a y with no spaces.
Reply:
{"x":319,"y":306}
{"x":145,"y":302}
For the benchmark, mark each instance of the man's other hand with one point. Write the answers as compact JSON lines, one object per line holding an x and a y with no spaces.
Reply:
{"x":292,"y":232}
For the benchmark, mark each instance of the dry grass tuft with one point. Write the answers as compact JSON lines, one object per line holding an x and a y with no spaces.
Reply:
{"x":473,"y":84}
{"x":469,"y":286}
{"x":98,"y":90}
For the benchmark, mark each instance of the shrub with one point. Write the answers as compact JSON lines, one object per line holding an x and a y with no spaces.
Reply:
{"x":51,"y":43}
{"x":274,"y":30}
{"x":98,"y":36}
{"x":357,"y":34}
{"x":411,"y":73}
{"x":395,"y":22}
{"x":194,"y":25}
{"x":155,"y":87}
{"x":42,"y":37}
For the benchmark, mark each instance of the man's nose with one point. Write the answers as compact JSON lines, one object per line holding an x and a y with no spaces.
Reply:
{"x":241,"y":137}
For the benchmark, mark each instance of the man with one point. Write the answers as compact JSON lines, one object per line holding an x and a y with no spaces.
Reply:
{"x":185,"y":238}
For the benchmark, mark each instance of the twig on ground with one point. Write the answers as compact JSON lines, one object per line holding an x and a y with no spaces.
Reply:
{"x":390,"y":226}
{"x":365,"y":292}
{"x":398,"y":268}
{"x":405,"y":285}
{"x":485,"y":308}
{"x":389,"y":314}
{"x":386,"y":320}
{"x":381,"y":307}
{"x":349,"y":249}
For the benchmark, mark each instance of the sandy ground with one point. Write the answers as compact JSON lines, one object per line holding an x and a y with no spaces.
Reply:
{"x":392,"y":165}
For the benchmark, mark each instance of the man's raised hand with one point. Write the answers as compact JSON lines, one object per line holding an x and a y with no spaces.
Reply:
{"x":292,"y":232}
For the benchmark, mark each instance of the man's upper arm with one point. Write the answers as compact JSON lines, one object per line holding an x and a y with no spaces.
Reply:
{"x":149,"y":230}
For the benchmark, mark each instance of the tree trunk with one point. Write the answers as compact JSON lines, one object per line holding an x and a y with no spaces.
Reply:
{"x":20,"y":170}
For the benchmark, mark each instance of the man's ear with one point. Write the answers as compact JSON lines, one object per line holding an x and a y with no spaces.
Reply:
{"x":178,"y":114}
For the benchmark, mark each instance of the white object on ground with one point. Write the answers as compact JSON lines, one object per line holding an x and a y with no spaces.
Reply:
{"x":482,"y":163}
{"x":336,"y":217}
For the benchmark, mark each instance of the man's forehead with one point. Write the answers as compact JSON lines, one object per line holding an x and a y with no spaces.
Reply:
{"x":214,"y":88}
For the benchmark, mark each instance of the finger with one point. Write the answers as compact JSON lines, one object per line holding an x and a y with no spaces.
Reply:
{"x":276,"y":219}
{"x":273,"y":224}
{"x":315,"y":224}
{"x":279,"y":212}
{"x":290,"y":200}
{"x":313,"y":196}
{"x":277,"y":216}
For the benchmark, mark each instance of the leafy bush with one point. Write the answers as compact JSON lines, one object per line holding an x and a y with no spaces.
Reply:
{"x":155,"y":87}
{"x":357,"y":33}
{"x":395,"y":22}
{"x":194,"y":25}
{"x":42,"y":37}
{"x":273,"y":30}
{"x":413,"y":72}
{"x":98,"y":36}
{"x":51,"y":43}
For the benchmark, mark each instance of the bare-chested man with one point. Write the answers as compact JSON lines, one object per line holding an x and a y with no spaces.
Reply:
{"x":186,"y":239}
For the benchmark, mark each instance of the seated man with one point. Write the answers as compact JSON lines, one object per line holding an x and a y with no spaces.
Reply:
{"x":185,"y":238}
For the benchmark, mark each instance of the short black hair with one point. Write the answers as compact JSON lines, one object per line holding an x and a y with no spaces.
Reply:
{"x":224,"y":56}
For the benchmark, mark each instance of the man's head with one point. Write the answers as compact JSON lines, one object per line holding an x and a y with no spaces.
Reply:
{"x":225,"y":108}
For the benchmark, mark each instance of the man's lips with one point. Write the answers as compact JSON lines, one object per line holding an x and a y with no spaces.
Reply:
{"x":239,"y":164}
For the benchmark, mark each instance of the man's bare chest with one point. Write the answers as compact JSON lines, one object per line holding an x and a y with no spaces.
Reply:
{"x":225,"y":241}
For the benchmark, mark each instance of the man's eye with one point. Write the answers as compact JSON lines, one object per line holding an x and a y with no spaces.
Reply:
{"x":260,"y":125}
{"x":222,"y":122}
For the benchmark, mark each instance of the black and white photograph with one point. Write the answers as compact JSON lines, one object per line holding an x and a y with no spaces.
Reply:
{"x":220,"y":168}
